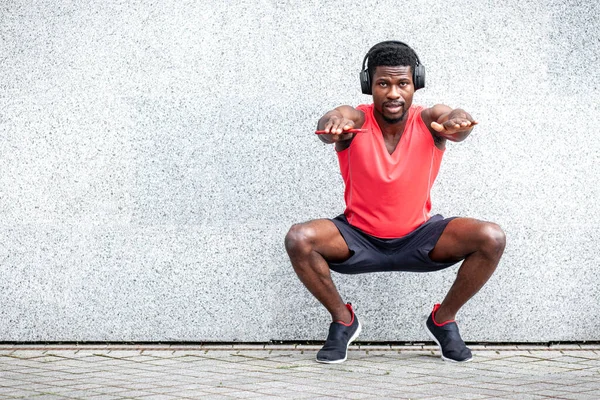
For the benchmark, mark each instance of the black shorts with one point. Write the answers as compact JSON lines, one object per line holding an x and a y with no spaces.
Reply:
{"x":408,"y":253}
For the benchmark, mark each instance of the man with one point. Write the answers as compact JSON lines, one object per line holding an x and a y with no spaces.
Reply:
{"x":388,"y":169}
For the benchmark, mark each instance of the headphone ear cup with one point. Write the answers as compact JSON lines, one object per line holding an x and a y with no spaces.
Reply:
{"x":365,"y":81}
{"x":419,"y":77}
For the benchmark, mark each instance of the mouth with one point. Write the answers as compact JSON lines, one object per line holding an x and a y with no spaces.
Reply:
{"x":393,"y":108}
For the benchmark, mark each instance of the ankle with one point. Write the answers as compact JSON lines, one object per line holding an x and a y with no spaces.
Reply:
{"x":442,"y":316}
{"x":343,"y":315}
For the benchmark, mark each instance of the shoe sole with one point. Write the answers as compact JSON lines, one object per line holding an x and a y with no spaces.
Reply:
{"x":432,"y":336}
{"x":348,"y":345}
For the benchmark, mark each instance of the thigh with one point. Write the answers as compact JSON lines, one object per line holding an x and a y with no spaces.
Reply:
{"x":324,"y":238}
{"x":461,"y":237}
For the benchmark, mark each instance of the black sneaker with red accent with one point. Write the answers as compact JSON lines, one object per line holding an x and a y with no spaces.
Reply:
{"x":340,"y":336}
{"x":446,"y":336}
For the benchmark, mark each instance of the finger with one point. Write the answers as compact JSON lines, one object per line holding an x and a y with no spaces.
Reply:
{"x":471,"y":120}
{"x":332,"y":125}
{"x":459,"y":120}
{"x":465,"y":123}
{"x":340,"y":137}
{"x":451,"y":125}
{"x":337,"y":129}
{"x":437,"y":127}
{"x":344,"y":125}
{"x":349,"y":123}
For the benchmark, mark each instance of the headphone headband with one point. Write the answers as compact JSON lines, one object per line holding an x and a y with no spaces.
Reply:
{"x":418,"y":71}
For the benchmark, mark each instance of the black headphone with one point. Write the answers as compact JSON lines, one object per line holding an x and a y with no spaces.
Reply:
{"x":418,"y":72}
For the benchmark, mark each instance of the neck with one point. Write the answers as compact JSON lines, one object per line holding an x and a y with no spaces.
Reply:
{"x":390,"y":128}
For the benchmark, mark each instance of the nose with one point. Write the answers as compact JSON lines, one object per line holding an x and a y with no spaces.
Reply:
{"x":394,"y":92}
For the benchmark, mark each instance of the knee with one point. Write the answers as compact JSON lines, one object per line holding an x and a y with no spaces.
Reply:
{"x":299,"y":240}
{"x":493,"y":239}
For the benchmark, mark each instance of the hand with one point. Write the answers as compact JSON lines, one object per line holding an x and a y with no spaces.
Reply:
{"x":456,"y":122}
{"x":336,"y":126}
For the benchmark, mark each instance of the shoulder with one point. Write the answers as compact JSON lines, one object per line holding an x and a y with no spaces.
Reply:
{"x":365,"y":107}
{"x":356,"y":114}
{"x":433,"y":113}
{"x":359,"y":113}
{"x":415,"y":116}
{"x":366,"y":111}
{"x":416,"y":112}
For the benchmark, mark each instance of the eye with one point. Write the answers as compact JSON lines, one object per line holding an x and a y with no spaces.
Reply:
{"x":382,"y":84}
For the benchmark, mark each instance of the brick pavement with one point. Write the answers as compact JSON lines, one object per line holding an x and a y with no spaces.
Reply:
{"x":290,"y":372}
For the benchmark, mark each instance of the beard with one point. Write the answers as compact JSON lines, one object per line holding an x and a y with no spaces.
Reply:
{"x":394,"y":120}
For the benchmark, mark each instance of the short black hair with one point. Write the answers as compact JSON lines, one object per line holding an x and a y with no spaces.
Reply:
{"x":391,"y":54}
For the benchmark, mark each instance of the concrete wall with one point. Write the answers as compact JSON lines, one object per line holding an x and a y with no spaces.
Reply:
{"x":154,"y":154}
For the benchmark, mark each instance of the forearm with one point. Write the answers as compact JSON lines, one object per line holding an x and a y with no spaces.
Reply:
{"x":338,"y":120}
{"x":456,"y":132}
{"x":327,"y":138}
{"x":323,"y":121}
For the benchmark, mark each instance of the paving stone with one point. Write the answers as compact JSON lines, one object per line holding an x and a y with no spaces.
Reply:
{"x":565,"y":346}
{"x":317,"y":347}
{"x":249,"y":346}
{"x":217,"y":347}
{"x":468,"y":396}
{"x":591,"y":347}
{"x":9,"y":390}
{"x":246,"y":395}
{"x":527,"y":396}
{"x":287,"y":372}
{"x":134,"y":393}
{"x":593,"y":395}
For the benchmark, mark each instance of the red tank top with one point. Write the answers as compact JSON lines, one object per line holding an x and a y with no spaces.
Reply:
{"x":388,"y":195}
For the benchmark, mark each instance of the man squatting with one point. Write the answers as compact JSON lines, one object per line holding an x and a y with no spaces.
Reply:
{"x":388,"y":170}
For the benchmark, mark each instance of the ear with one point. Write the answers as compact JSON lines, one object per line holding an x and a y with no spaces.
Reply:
{"x":365,"y":82}
{"x":419,"y":77}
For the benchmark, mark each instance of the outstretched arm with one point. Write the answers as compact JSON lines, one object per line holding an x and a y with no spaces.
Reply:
{"x":446,"y":123}
{"x":336,"y":122}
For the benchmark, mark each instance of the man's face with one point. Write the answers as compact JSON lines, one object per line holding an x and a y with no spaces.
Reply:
{"x":393,"y":91}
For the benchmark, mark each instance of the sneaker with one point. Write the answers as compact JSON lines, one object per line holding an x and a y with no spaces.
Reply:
{"x":446,"y":336}
{"x":340,"y":336}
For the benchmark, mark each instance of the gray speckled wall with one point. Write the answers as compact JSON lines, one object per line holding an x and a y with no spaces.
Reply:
{"x":154,"y":154}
